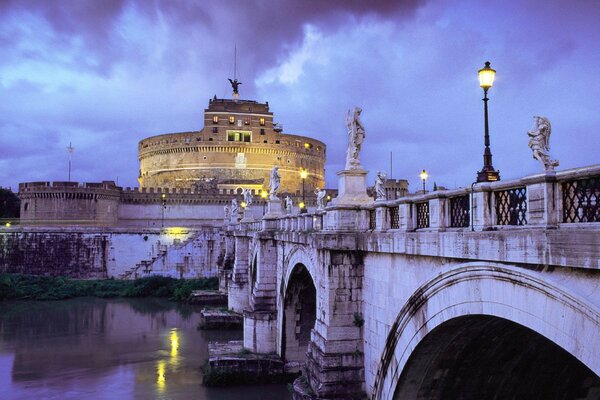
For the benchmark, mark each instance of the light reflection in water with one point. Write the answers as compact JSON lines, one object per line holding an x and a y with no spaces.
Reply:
{"x":161,"y":382}
{"x":174,"y":344}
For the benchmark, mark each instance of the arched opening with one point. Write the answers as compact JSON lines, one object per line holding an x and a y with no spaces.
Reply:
{"x":299,"y":316}
{"x":486,"y":357}
{"x":253,"y":272}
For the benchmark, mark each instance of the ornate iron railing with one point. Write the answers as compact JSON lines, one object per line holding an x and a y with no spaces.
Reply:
{"x":423,"y":215}
{"x":511,"y":206}
{"x":459,"y":211}
{"x":580,"y":200}
{"x":372,"y":219}
{"x":394,"y":218}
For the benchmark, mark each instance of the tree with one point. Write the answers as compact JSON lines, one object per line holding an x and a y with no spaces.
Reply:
{"x":9,"y":204}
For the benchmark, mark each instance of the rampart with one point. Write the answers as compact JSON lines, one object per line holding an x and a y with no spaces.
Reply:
{"x":69,"y":202}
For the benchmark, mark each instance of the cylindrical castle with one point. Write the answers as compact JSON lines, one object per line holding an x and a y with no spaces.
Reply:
{"x":236,"y":149}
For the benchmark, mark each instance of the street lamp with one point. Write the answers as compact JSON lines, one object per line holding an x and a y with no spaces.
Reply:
{"x":163,"y":198}
{"x":486,"y":80}
{"x":303,"y":176}
{"x":423,"y":176}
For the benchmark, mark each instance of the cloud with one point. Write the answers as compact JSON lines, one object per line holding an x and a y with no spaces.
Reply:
{"x":104,"y":75}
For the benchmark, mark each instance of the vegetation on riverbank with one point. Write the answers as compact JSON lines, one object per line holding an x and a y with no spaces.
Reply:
{"x":29,"y":287}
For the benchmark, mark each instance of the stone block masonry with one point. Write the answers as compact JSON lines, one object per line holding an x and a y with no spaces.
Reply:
{"x":76,"y":255}
{"x":101,"y":253}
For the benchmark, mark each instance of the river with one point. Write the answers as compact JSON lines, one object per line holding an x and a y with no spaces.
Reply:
{"x":92,"y":348}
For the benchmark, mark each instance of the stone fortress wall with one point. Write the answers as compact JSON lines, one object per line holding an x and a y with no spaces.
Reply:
{"x":106,"y":204}
{"x":237,"y":148}
{"x":70,"y":202}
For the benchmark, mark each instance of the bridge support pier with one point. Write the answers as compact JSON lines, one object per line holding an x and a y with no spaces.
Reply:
{"x":238,"y":296}
{"x":260,"y":331}
{"x":260,"y":319}
{"x":225,"y":264}
{"x":335,"y":364}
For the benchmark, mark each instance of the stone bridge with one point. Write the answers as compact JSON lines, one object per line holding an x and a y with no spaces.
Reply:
{"x":487,"y":292}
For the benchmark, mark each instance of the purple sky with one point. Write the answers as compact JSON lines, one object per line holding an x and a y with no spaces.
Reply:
{"x":105,"y":74}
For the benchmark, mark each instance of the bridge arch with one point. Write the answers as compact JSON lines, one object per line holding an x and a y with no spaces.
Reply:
{"x":298,"y":299}
{"x":483,"y":296}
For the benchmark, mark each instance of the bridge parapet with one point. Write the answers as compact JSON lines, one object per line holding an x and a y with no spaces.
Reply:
{"x":546,"y":200}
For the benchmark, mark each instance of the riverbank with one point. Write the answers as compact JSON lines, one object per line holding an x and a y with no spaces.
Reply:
{"x":30,"y":287}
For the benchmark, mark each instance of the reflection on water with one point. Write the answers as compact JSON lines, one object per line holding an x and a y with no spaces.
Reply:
{"x":109,"y":349}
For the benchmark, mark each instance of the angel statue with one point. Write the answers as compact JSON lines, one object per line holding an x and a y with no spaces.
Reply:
{"x":379,"y":189}
{"x":356,"y":137}
{"x":539,"y":142}
{"x":274,"y":183}
{"x":248,"y":197}
{"x":235,"y":84}
{"x":289,"y":204}
{"x":320,"y":198}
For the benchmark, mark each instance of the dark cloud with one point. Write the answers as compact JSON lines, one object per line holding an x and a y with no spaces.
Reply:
{"x":262,"y":30}
{"x":106,"y":74}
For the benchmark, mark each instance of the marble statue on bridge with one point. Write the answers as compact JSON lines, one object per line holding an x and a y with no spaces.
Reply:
{"x":356,"y":137}
{"x":320,"y":198}
{"x":289,"y":204}
{"x":539,"y":142}
{"x":380,"y":179}
{"x":248,"y":197}
{"x":226,"y":212}
{"x":274,"y":183}
{"x":235,"y":208}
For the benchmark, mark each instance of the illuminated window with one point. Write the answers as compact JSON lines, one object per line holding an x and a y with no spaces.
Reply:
{"x":215,"y":119}
{"x":262,"y":121}
{"x":239,"y":136}
{"x":307,"y":145}
{"x":231,"y":119}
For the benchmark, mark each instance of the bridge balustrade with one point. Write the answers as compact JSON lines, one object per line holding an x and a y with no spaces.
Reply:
{"x":541,"y":200}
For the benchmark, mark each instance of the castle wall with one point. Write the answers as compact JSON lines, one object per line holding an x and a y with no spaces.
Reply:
{"x":69,"y":202}
{"x":239,"y":144}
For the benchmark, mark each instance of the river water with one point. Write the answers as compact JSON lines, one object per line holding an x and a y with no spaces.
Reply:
{"x":110,"y":349}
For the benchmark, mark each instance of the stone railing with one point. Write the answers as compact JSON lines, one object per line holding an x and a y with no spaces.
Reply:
{"x":542,"y":200}
{"x":309,"y":222}
{"x":546,"y":200}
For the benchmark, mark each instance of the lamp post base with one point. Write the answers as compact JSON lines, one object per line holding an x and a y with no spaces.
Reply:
{"x":488,"y":175}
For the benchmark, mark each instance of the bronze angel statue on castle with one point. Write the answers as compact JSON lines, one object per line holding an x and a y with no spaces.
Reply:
{"x":539,"y":142}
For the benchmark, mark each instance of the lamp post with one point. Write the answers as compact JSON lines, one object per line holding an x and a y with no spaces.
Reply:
{"x":303,"y":176}
{"x":423,"y":176}
{"x":163,"y":198}
{"x":486,"y":80}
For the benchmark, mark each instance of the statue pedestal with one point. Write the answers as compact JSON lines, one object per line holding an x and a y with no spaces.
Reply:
{"x":273,"y":209}
{"x":352,"y":188}
{"x":248,"y":215}
{"x":344,"y":212}
{"x":274,"y":212}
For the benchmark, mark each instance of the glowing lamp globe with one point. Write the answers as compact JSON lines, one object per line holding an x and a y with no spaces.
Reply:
{"x":486,"y":76}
